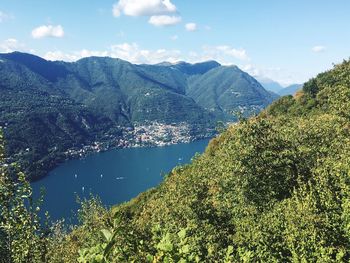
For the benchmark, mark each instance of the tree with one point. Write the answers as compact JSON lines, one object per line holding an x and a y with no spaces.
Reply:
{"x":21,"y":235}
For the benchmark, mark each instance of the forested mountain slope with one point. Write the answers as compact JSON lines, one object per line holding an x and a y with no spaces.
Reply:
{"x":226,"y":89}
{"x":40,"y":121}
{"x":273,"y":188}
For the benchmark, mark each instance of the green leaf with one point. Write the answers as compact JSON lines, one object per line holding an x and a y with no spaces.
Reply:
{"x":106,"y":234}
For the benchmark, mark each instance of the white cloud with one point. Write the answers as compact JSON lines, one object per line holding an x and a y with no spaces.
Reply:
{"x":127,"y":51}
{"x":191,"y":27}
{"x":164,"y":20}
{"x":10,"y":45}
{"x":74,"y":56}
{"x":233,"y":52}
{"x":318,"y":49}
{"x":224,"y":54}
{"x":174,"y":37}
{"x":143,"y":7}
{"x":48,"y":31}
{"x":252,"y":70}
{"x":59,"y":55}
{"x":133,"y":53}
{"x":278,"y":74}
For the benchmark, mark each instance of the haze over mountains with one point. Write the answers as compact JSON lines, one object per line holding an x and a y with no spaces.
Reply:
{"x":277,"y":88}
{"x":49,"y":107}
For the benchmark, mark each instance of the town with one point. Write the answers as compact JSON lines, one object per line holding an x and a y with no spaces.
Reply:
{"x":149,"y":134}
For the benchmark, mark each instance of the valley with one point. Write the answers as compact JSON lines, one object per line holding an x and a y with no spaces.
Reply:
{"x":52,"y":111}
{"x":173,"y":131}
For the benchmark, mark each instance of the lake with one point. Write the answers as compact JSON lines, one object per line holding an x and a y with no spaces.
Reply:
{"x":115,"y":176}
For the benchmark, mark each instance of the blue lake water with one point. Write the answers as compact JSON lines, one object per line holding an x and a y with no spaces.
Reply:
{"x":115,"y":176}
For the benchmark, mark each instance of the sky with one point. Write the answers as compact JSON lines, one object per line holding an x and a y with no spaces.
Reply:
{"x":288,"y":41}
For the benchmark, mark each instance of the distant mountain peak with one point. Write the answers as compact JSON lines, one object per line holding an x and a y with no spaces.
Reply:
{"x":98,"y":58}
{"x":211,"y":62}
{"x":277,"y":88}
{"x":47,"y":69}
{"x":196,"y":68}
{"x":164,"y":63}
{"x":181,"y":62}
{"x":21,"y":56}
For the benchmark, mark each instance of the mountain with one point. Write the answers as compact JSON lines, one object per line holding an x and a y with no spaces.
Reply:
{"x":270,"y":84}
{"x":52,"y":110}
{"x":273,"y":188}
{"x":40,"y":121}
{"x":290,"y":90}
{"x":277,"y":88}
{"x":197,"y":68}
{"x":225,"y":89}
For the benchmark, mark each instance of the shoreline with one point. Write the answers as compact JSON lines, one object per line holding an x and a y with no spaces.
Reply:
{"x":150,"y":135}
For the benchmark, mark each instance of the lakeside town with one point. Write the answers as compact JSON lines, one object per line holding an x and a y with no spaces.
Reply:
{"x":145,"y":135}
{"x":150,"y":134}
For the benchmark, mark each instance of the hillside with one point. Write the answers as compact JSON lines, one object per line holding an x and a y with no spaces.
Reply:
{"x":326,"y":93}
{"x":273,"y":188}
{"x":223,"y":90}
{"x":40,"y":121}
{"x":52,"y":111}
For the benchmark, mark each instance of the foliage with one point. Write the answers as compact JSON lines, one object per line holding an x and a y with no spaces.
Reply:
{"x":66,"y":245}
{"x":22,"y":238}
{"x":319,"y":95}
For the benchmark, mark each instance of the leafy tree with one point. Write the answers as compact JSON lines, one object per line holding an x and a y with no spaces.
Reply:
{"x":21,"y":237}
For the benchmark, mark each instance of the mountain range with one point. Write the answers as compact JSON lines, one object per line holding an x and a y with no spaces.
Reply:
{"x":51,"y":107}
{"x":277,"y":88}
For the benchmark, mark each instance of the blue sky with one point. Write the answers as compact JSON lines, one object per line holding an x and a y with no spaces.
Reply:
{"x":288,"y":41}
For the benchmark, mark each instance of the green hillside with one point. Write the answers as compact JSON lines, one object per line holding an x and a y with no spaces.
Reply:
{"x":226,"y":89}
{"x":274,"y":188}
{"x":326,"y":93}
{"x":41,"y":122}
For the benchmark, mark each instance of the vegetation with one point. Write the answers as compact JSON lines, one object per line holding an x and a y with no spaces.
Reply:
{"x":24,"y":237}
{"x":226,"y":89}
{"x":273,"y":188}
{"x":21,"y":236}
{"x":328,"y":92}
